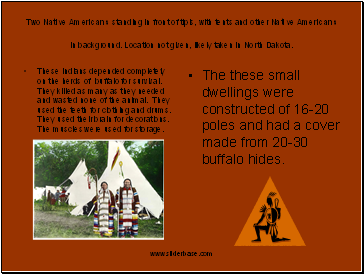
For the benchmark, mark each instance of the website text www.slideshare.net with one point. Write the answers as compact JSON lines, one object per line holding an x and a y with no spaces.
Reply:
{"x":180,"y":254}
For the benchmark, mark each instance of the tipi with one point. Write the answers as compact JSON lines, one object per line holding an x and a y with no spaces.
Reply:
{"x":79,"y":192}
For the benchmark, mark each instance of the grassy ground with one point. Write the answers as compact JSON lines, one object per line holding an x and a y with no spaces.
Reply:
{"x":57,"y":222}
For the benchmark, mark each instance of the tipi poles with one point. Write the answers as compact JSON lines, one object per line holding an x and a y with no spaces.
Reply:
{"x":91,"y":210}
{"x":117,"y":235}
{"x":118,"y":203}
{"x":146,"y":209}
{"x":98,"y":217}
{"x":63,"y":182}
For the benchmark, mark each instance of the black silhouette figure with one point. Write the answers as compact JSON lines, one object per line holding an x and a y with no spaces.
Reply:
{"x":272,"y":215}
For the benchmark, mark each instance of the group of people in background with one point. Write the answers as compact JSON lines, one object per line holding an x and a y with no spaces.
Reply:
{"x":58,"y":196}
{"x":127,"y":202}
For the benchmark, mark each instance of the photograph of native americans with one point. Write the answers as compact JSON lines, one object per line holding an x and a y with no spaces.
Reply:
{"x":98,"y":189}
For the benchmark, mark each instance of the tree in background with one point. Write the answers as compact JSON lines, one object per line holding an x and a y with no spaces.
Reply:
{"x":150,"y":161}
{"x":55,"y":163}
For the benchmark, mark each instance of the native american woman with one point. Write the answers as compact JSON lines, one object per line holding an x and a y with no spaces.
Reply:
{"x":49,"y":196}
{"x":104,"y":207}
{"x":128,"y":202}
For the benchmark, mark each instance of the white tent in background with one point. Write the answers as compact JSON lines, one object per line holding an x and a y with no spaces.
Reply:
{"x":74,"y":175}
{"x":148,"y":197}
{"x":79,"y":192}
{"x":38,"y":193}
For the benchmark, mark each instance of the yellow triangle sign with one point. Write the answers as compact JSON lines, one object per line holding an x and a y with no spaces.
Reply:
{"x":276,"y":227}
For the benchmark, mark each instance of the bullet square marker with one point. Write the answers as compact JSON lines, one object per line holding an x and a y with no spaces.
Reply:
{"x":190,"y":75}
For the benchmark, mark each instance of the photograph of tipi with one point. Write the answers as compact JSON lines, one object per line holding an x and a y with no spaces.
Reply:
{"x":114,"y":191}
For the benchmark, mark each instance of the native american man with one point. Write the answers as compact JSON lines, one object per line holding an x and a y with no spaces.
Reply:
{"x":63,"y":195}
{"x":104,"y":207}
{"x":57,"y":195}
{"x":128,"y":202}
{"x":272,"y":215}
